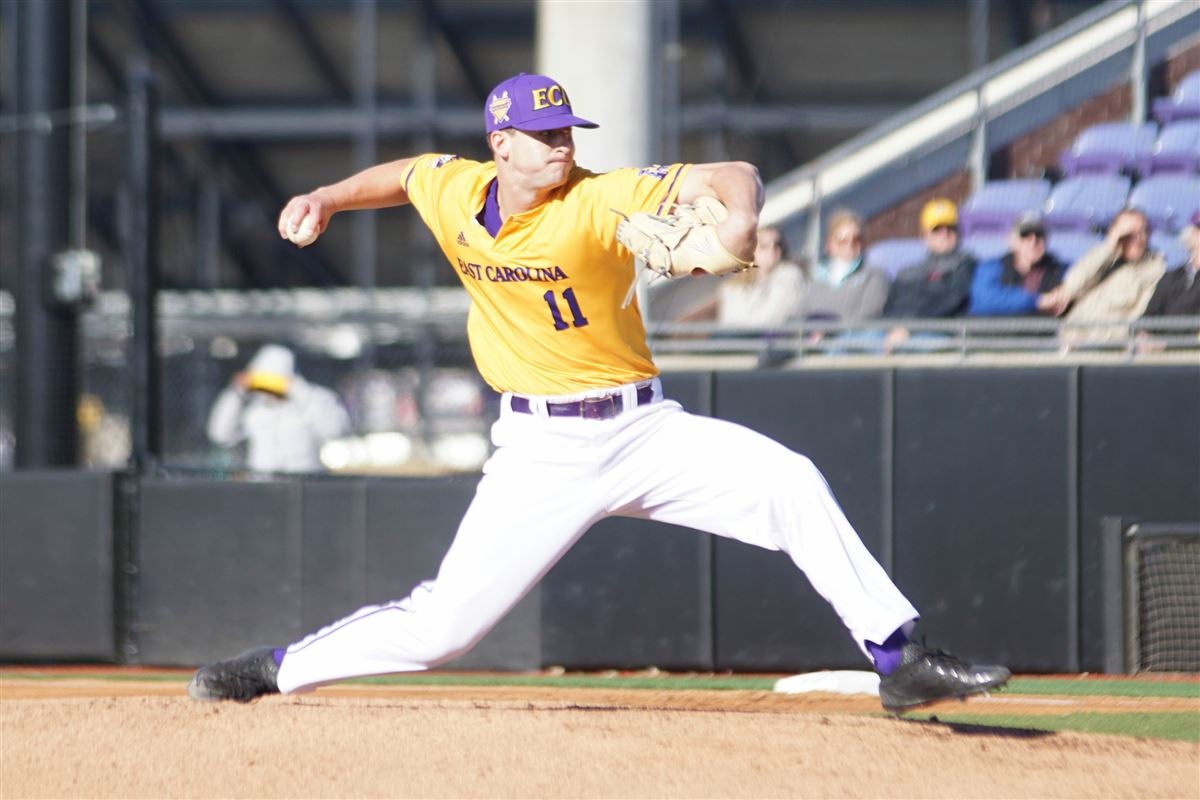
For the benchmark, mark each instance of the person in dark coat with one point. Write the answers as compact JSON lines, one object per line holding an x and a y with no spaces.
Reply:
{"x":1178,"y":290}
{"x":939,"y":286}
{"x":1016,"y":284}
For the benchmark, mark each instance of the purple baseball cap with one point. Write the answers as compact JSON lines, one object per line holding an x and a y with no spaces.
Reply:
{"x":530,"y":103}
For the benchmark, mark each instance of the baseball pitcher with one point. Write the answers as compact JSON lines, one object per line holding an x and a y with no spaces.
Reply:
{"x":548,"y":252}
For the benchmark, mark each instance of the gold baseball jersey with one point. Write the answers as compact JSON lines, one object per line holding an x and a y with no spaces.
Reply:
{"x":546,"y":292}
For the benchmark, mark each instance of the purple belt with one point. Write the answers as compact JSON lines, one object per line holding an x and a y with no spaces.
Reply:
{"x":605,"y":407}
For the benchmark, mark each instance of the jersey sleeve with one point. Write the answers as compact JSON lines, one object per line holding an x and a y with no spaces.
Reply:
{"x":653,"y":189}
{"x":428,"y":174}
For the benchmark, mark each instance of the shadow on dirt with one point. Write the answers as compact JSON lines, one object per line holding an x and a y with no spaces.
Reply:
{"x":971,"y":729}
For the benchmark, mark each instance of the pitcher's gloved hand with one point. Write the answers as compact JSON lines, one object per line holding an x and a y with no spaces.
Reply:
{"x":684,"y":242}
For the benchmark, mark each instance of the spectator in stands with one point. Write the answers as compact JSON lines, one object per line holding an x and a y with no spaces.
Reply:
{"x":842,"y":287}
{"x":764,"y":297}
{"x":1019,"y":282}
{"x":1111,"y":282}
{"x":939,"y":286}
{"x":1178,"y":291}
{"x":284,"y":419}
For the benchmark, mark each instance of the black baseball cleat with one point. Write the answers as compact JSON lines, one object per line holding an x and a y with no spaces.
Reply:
{"x":242,"y":678}
{"x":926,"y":675}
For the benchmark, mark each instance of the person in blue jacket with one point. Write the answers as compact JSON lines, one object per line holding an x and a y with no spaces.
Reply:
{"x":1018,"y":283}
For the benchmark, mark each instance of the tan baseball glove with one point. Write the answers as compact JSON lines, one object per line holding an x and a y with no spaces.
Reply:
{"x":682,"y":242}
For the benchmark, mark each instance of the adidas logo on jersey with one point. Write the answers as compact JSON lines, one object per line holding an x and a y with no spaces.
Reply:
{"x":462,"y":239}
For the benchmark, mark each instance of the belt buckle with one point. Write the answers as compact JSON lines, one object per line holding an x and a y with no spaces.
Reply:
{"x":599,"y":407}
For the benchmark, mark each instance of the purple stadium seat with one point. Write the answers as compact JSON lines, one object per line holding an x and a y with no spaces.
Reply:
{"x":1086,"y":202}
{"x":1167,"y":200}
{"x":993,"y":207}
{"x":1109,"y":148}
{"x":986,"y":246}
{"x":1172,"y":249}
{"x":893,"y":255}
{"x":1069,"y":246}
{"x":1184,"y":102}
{"x":1177,"y":150}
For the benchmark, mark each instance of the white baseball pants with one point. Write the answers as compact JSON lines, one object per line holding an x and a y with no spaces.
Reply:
{"x":552,"y":478}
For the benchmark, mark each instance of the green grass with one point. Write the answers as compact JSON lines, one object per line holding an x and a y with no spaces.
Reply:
{"x":1120,"y":687}
{"x":1179,"y":725}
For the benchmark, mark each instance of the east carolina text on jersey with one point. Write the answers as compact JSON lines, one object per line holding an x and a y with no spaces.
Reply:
{"x":546,"y":292}
{"x":499,"y":274}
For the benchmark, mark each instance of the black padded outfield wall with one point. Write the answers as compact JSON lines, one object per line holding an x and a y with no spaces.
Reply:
{"x":410,"y":524}
{"x":56,"y":566}
{"x":631,"y":592}
{"x":983,"y":496}
{"x":220,"y":568}
{"x":981,"y":490}
{"x":766,"y":615}
{"x":229,"y":565}
{"x":1139,"y":459}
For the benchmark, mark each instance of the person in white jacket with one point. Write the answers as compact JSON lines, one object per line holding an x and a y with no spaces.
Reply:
{"x":284,"y":418}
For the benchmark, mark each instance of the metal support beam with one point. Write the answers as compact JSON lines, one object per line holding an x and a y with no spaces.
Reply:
{"x":729,"y":36}
{"x":313,"y":48}
{"x":46,"y":330}
{"x":978,"y":15}
{"x":1138,"y":77}
{"x":453,"y":37}
{"x":141,"y":253}
{"x":977,"y":157}
{"x":175,"y":164}
{"x":244,"y":160}
{"x":423,"y":69}
{"x":416,"y":118}
{"x":366,"y":143}
{"x":9,"y":249}
{"x":208,"y":234}
{"x":670,"y":146}
{"x":734,"y":44}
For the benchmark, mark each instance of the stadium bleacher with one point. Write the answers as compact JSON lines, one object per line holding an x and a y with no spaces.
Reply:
{"x":986,"y":246}
{"x":1167,"y":200}
{"x":1108,"y":167}
{"x":1184,"y":102}
{"x":1086,"y":202}
{"x":1069,"y":246}
{"x":1171,"y":247}
{"x":1109,"y":148}
{"x":995,"y":206}
{"x":1177,"y":150}
{"x":893,"y":255}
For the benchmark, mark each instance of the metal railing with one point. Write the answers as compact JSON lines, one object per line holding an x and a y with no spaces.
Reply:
{"x":950,"y":341}
{"x":336,"y":323}
{"x":968,"y":104}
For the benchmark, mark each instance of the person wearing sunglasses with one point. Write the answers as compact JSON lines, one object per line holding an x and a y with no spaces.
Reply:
{"x":1019,"y":282}
{"x":843,"y":287}
{"x":937,"y":287}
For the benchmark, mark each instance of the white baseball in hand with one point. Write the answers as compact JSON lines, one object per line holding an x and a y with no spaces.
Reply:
{"x":306,"y":234}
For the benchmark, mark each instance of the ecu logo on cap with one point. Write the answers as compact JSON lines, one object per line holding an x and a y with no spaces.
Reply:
{"x":546,"y":96}
{"x":499,"y":107}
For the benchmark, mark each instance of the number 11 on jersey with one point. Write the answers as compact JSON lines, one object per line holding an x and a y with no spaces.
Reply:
{"x":577,"y":317}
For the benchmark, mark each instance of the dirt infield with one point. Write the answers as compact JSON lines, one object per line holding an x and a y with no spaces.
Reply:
{"x":88,"y":737}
